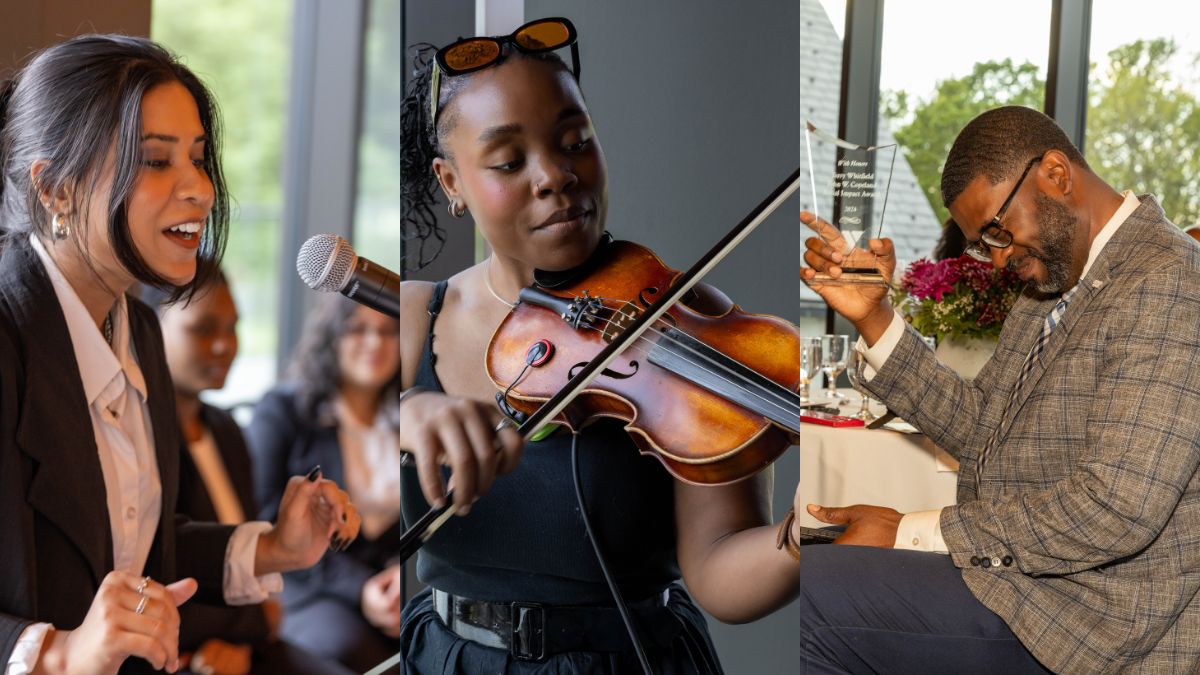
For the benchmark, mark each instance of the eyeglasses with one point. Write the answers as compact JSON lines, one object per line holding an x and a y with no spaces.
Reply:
{"x":467,"y":55}
{"x":993,"y":235}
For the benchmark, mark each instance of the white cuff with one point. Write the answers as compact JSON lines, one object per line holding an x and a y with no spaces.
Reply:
{"x":25,"y":653}
{"x":921,"y":531}
{"x":878,"y":353}
{"x":241,"y":586}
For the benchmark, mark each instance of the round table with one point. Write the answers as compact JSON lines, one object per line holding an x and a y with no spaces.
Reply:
{"x":844,"y":466}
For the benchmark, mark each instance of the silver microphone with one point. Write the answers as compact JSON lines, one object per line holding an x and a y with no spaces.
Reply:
{"x":327,"y":262}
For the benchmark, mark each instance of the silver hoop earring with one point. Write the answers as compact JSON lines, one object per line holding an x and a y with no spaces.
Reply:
{"x":454,"y":211}
{"x":60,"y":228}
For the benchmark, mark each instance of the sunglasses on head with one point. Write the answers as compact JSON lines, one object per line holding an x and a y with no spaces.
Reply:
{"x":467,"y":55}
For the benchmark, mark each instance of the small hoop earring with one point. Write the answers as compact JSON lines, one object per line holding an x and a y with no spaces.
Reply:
{"x":454,"y":211}
{"x":60,"y":228}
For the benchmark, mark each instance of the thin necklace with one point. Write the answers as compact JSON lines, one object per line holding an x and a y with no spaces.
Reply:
{"x":487,"y":281}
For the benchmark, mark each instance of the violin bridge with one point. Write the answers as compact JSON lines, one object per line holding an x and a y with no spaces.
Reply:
{"x":620,"y":319}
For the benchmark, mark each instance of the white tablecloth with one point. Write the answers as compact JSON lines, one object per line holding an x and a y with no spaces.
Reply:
{"x":844,"y":466}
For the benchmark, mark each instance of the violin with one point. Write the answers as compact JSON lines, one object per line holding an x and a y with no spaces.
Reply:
{"x":638,"y":322}
{"x":713,"y":397}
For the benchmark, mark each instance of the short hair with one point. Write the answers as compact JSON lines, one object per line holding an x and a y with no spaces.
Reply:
{"x":998,"y":144}
{"x":68,"y":106}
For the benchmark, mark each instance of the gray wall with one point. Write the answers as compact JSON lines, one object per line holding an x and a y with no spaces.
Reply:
{"x":697,"y":130}
{"x":696,"y":103}
{"x":439,"y":23}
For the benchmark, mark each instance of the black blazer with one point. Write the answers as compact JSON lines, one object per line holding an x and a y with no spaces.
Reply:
{"x":283,"y":444}
{"x":199,"y":623}
{"x":57,"y":545}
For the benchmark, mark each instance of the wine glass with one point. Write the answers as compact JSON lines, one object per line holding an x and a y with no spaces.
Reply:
{"x":834,"y":353}
{"x":810,"y":364}
{"x":858,"y":364}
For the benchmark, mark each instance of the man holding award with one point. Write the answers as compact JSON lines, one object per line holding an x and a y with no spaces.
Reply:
{"x":1074,"y":545}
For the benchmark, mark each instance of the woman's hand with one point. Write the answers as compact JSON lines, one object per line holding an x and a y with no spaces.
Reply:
{"x":114,"y":629}
{"x":441,"y":429}
{"x":381,"y":601}
{"x":313,"y":515}
{"x":217,"y":657}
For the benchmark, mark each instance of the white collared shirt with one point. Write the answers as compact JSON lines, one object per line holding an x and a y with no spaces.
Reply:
{"x":922,"y":530}
{"x":116,"y":395}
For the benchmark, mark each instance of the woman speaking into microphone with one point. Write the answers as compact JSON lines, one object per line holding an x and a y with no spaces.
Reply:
{"x":111,"y":176}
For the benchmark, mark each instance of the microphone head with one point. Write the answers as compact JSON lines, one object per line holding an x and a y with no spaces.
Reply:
{"x":325,"y":262}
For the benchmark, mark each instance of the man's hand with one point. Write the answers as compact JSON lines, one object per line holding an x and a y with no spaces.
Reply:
{"x":866,"y":525}
{"x":867,"y":307}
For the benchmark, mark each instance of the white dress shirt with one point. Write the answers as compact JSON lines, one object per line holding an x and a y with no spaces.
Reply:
{"x":116,"y":395}
{"x":922,"y":530}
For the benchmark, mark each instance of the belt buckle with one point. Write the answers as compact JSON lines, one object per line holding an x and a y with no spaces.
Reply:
{"x":528,"y":626}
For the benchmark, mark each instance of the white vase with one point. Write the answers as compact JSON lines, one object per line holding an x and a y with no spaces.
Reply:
{"x":965,"y":355}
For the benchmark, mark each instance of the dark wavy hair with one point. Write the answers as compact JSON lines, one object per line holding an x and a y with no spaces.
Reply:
{"x":68,"y":106}
{"x":422,"y":141}
{"x":313,"y":367}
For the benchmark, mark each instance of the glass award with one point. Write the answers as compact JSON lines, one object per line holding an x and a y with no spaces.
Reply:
{"x":849,"y":185}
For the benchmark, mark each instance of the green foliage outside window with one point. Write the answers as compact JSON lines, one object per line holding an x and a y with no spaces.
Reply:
{"x":242,"y":52}
{"x":1142,"y":124}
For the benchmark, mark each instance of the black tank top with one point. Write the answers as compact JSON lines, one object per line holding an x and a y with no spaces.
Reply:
{"x":525,"y":540}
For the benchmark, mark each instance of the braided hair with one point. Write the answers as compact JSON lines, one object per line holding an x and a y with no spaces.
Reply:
{"x":422,"y":141}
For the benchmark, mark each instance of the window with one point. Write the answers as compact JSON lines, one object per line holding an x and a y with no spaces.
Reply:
{"x":943,"y":62}
{"x":821,"y":25}
{"x":1143,"y":114}
{"x":377,"y":207}
{"x":241,"y":50}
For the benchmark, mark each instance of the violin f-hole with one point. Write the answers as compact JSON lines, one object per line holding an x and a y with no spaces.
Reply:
{"x":607,"y":371}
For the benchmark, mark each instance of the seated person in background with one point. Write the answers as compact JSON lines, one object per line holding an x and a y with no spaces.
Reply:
{"x":215,"y":484}
{"x":339,"y":411}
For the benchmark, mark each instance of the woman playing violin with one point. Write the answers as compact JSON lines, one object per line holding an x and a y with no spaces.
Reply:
{"x":511,"y":145}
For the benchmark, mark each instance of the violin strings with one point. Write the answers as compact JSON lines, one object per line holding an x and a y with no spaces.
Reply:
{"x":752,"y":389}
{"x":779,"y":390}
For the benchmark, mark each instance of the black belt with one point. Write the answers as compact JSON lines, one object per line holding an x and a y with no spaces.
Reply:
{"x":531,"y":631}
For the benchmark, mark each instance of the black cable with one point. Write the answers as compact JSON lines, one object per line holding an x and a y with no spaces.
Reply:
{"x":612,"y":584}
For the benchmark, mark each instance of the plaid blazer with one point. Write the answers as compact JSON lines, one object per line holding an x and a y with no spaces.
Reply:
{"x":1093,"y":491}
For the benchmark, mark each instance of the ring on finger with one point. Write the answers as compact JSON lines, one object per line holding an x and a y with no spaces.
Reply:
{"x":141,"y":606}
{"x":141,"y":587}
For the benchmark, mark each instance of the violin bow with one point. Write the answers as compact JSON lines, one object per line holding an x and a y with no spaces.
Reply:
{"x":423,"y":529}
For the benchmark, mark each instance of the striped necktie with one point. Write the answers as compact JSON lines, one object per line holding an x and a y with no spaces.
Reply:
{"x":1031,"y":359}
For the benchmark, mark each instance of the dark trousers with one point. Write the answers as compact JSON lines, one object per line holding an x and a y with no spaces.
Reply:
{"x":873,"y":610}
{"x":333,"y":631}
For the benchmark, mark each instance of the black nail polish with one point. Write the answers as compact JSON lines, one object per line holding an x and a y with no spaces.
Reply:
{"x":312,"y":475}
{"x":345,"y":518}
{"x":334,"y":543}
